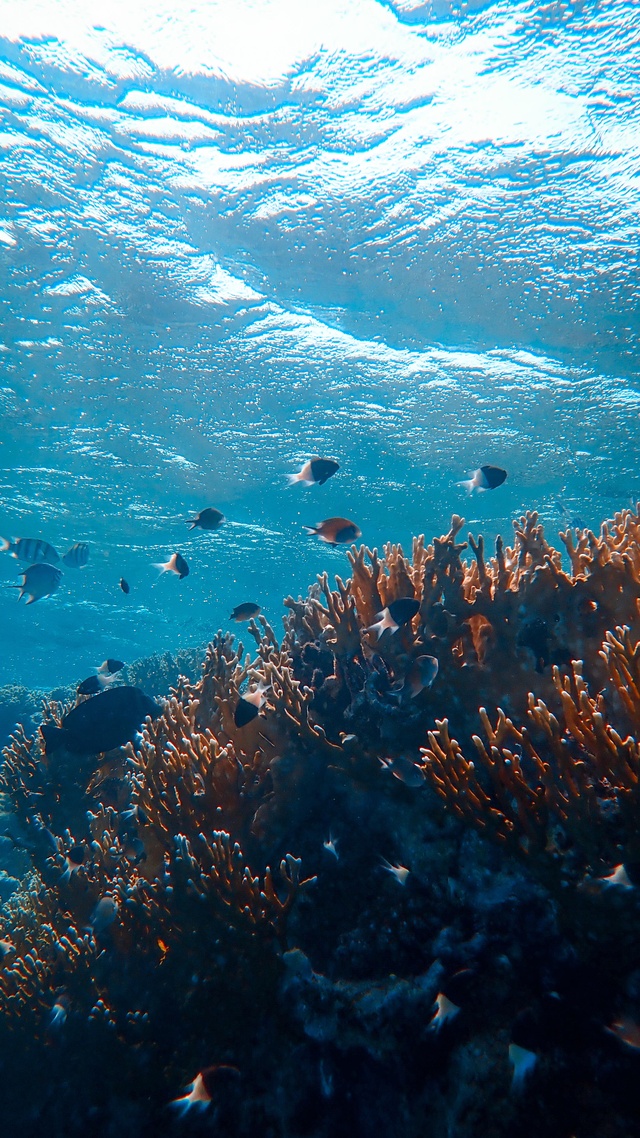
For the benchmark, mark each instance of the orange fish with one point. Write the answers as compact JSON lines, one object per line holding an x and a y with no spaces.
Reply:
{"x":335,"y":531}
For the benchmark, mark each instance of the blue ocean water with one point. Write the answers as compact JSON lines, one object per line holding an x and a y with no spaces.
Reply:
{"x":235,"y":235}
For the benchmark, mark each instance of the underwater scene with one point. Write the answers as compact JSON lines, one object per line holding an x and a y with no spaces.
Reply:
{"x":320,"y":569}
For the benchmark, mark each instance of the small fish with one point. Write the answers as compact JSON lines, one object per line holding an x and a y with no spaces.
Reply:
{"x":125,"y":586}
{"x":396,"y":614}
{"x":110,"y":666}
{"x":75,"y":858}
{"x":203,"y":1088}
{"x":405,"y":770}
{"x":330,"y":845}
{"x":77,"y":556}
{"x":206,"y":519}
{"x":485,"y":478}
{"x":245,"y":612}
{"x":420,"y":676}
{"x":316,"y":470}
{"x":455,"y":992}
{"x":109,"y":720}
{"x":135,"y":814}
{"x":39,"y":581}
{"x":335,"y":531}
{"x":176,"y":564}
{"x":398,"y":871}
{"x":103,"y":916}
{"x":30,"y":549}
{"x":248,"y":706}
{"x":59,"y":1011}
{"x":93,"y":684}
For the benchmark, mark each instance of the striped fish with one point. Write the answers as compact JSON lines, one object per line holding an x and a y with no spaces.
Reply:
{"x":30,"y":549}
{"x":77,"y":556}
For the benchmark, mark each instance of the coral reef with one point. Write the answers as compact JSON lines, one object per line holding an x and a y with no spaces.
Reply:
{"x":362,"y":899}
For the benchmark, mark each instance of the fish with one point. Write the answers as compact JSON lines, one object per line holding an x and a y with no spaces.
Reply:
{"x":400,"y":872}
{"x":206,"y":519}
{"x":485,"y":478}
{"x":248,"y":706}
{"x":204,"y":1087}
{"x":103,"y":915}
{"x":73,"y":861}
{"x":245,"y":611}
{"x":109,"y":720}
{"x":134,"y":814}
{"x":77,"y":556}
{"x":125,"y":586}
{"x":176,"y":564}
{"x":316,"y":470}
{"x":396,"y":614}
{"x":93,"y":684}
{"x":405,"y":770}
{"x":331,"y":846}
{"x":525,"y":1036}
{"x":30,"y":549}
{"x":335,"y":531}
{"x":39,"y":581}
{"x":6,"y":947}
{"x":110,"y":666}
{"x":420,"y":676}
{"x":453,"y":994}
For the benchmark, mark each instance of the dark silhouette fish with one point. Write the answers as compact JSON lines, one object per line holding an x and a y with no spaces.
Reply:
{"x":125,"y":586}
{"x":245,"y":612}
{"x":335,"y":531}
{"x":316,"y":470}
{"x":92,"y":685}
{"x":108,"y":720}
{"x":39,"y":581}
{"x":30,"y":549}
{"x":206,"y":519}
{"x":485,"y":478}
{"x":77,"y":556}
{"x":396,"y":614}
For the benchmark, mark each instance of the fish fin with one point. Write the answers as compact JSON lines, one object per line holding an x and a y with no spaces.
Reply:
{"x":6,"y":544}
{"x":191,"y":523}
{"x":311,"y":529}
{"x":31,"y":600}
{"x":468,"y":484}
{"x":293,"y":478}
{"x":53,"y":736}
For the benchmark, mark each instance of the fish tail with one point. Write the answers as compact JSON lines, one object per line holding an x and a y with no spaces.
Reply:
{"x":6,"y":544}
{"x":190,"y":522}
{"x":468,"y":484}
{"x":311,"y":529}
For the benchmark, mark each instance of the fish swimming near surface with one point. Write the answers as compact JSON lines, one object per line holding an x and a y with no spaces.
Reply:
{"x":109,"y":720}
{"x":125,"y":586}
{"x":315,"y":471}
{"x":207,"y":519}
{"x":245,"y":612}
{"x":248,"y":706}
{"x":77,"y":556}
{"x":395,"y":615}
{"x":335,"y":531}
{"x":176,"y":564}
{"x":485,"y":478}
{"x":30,"y":549}
{"x":39,"y":581}
{"x":110,"y":666}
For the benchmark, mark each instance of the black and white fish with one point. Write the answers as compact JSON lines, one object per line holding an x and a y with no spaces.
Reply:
{"x":109,"y":720}
{"x":110,"y":666}
{"x":484,"y":478}
{"x":248,"y":706}
{"x":315,"y":471}
{"x":176,"y":564}
{"x":93,"y":685}
{"x":39,"y":581}
{"x":30,"y":549}
{"x":77,"y":556}
{"x":335,"y":531}
{"x":395,"y":615}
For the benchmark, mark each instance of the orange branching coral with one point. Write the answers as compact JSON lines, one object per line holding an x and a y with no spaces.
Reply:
{"x":563,"y":790}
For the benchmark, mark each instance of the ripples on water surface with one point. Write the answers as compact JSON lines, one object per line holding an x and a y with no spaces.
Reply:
{"x":233,"y":235}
